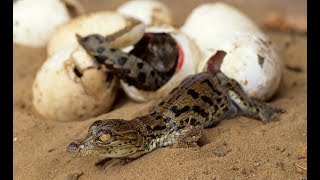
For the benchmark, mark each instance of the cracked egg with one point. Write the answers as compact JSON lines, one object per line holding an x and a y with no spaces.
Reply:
{"x":251,"y":57}
{"x":70,"y":86}
{"x":186,"y":64}
{"x":104,"y":23}
{"x":151,"y":12}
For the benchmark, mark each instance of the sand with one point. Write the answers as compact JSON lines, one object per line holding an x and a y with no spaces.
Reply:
{"x":240,"y":148}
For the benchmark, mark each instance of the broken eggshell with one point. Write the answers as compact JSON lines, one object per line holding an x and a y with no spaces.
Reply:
{"x":151,"y":12}
{"x":70,"y":86}
{"x":104,"y":23}
{"x":35,"y":20}
{"x":251,"y":58}
{"x":189,"y":55}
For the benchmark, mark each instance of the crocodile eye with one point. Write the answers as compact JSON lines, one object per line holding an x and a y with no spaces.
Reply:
{"x":104,"y":137}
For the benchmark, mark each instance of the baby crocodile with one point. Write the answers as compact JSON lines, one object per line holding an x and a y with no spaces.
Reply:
{"x":200,"y":101}
{"x":148,"y":66}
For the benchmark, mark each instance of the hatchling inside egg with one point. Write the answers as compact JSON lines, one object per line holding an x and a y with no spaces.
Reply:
{"x":153,"y":66}
{"x":175,"y":52}
{"x":71,"y":84}
{"x":251,"y":57}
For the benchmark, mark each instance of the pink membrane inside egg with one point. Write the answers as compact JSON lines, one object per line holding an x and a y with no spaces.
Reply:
{"x":180,"y":59}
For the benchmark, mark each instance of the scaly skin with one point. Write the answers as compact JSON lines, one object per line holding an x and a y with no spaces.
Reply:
{"x":200,"y":101}
{"x":148,"y":66}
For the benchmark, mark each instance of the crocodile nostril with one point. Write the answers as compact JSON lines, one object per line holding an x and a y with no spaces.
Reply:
{"x":73,"y":147}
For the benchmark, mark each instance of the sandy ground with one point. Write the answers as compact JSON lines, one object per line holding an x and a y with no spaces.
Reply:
{"x":240,"y":148}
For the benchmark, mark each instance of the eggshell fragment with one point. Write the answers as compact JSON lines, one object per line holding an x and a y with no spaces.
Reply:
{"x":103,"y":23}
{"x":69,"y":86}
{"x":35,"y":20}
{"x":252,"y":59}
{"x":151,"y":12}
{"x":189,"y":57}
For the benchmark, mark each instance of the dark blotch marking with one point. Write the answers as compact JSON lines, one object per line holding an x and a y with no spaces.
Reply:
{"x":219,"y":100}
{"x":183,"y":110}
{"x":167,"y":119}
{"x":215,"y":107}
{"x":156,"y":81}
{"x":211,"y":86}
{"x":260,"y":60}
{"x":158,"y":117}
{"x":140,"y":65}
{"x":109,"y":77}
{"x":207,"y":100}
{"x":174,"y":109}
{"x":159,"y":127}
{"x":225,"y":109}
{"x":100,"y":59}
{"x":122,"y":60}
{"x":101,"y":49}
{"x":77,"y":72}
{"x":193,"y":121}
{"x":113,"y":49}
{"x":193,"y":93}
{"x":200,"y":111}
{"x":177,"y":112}
{"x":142,"y":77}
{"x":152,"y":73}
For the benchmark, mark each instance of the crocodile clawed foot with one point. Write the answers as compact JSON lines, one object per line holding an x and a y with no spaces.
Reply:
{"x":189,"y":137}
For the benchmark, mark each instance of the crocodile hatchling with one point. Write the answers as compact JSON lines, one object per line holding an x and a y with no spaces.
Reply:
{"x":148,"y":66}
{"x":199,"y":101}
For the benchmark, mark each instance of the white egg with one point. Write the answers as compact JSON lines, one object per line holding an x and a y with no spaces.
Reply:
{"x":103,"y":23}
{"x":35,"y":20}
{"x":69,"y":86}
{"x":187,"y":65}
{"x":251,"y":59}
{"x":150,"y":12}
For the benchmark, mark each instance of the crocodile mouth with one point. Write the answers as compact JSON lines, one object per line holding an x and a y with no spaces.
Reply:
{"x":77,"y":149}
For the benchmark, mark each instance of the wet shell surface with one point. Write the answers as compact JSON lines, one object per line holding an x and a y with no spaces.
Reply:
{"x":104,"y":23}
{"x":252,"y":59}
{"x":187,"y":64}
{"x":35,"y":20}
{"x":69,"y":86}
{"x":151,"y":12}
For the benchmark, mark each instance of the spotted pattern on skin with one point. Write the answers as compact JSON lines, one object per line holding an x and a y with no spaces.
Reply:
{"x":150,"y":64}
{"x":200,"y":101}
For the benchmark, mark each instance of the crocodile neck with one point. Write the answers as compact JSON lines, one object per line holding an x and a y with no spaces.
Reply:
{"x":157,"y":130}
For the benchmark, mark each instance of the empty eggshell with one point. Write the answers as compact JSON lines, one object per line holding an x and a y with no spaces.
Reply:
{"x":188,"y":60}
{"x":251,"y":59}
{"x":69,"y":86}
{"x":151,"y":12}
{"x":35,"y":20}
{"x":104,"y":23}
